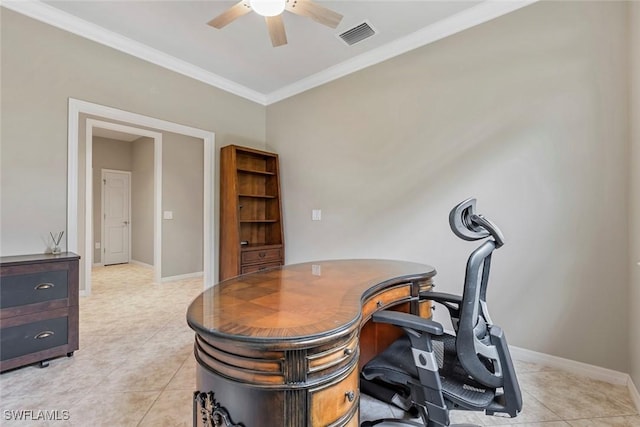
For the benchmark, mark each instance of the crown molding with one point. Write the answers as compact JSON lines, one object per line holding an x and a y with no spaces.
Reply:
{"x":67,"y":22}
{"x":483,"y":12}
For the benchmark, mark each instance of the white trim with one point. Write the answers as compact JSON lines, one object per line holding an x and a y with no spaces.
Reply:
{"x":102,"y":212}
{"x":590,"y":371}
{"x":635,"y":395}
{"x":182,"y":276}
{"x":77,"y":107}
{"x":140,"y":263}
{"x":67,"y":22}
{"x":483,"y":12}
{"x":157,"y":209}
{"x":157,"y":194}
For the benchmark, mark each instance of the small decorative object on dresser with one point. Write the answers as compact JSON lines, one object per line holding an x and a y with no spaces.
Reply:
{"x":38,"y":308}
{"x":56,"y":242}
{"x":251,"y":230}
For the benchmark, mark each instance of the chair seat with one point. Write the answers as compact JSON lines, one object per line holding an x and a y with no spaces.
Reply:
{"x":396,"y":364}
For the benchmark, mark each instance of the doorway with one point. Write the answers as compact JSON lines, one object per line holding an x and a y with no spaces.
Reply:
{"x":79,"y":221}
{"x":116,"y":217}
{"x":117,"y":132}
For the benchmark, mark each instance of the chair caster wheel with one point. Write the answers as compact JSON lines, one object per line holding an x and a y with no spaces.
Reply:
{"x":70,"y":354}
{"x":44,"y":364}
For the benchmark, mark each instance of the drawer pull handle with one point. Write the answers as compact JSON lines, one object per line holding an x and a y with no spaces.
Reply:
{"x":350,"y":395}
{"x":262,"y":254}
{"x":348,"y":351}
{"x":43,"y":286}
{"x":44,"y":334}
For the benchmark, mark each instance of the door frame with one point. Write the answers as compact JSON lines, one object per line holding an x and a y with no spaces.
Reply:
{"x":102,"y":212}
{"x":157,"y":195}
{"x":76,"y":235}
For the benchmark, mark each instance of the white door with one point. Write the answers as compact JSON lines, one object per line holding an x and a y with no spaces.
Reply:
{"x":116,"y":190}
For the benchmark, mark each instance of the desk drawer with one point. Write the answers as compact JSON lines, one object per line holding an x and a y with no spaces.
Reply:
{"x":33,"y":288}
{"x":383,"y":299}
{"x":335,"y":402}
{"x":261,"y":255}
{"x":33,"y":337}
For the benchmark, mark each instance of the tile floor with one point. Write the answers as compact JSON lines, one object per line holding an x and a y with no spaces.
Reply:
{"x":129,"y":324}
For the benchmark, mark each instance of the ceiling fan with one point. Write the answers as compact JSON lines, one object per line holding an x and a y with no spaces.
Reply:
{"x":272,"y":11}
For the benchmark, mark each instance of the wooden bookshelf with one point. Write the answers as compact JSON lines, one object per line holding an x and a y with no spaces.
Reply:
{"x":251,"y":231}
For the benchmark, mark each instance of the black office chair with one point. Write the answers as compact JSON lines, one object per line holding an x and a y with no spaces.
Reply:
{"x":429,"y":372}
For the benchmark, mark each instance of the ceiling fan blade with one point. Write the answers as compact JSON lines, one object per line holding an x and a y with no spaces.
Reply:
{"x":231,"y":14}
{"x":314,"y":11}
{"x":276,"y":30}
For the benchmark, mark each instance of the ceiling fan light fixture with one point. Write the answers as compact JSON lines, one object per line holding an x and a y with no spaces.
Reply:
{"x":268,"y":7}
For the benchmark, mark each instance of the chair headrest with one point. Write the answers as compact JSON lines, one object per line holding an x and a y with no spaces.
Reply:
{"x":468,"y":225}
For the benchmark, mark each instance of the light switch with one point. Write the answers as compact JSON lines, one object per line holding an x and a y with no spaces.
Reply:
{"x":168,"y":214}
{"x":97,"y":245}
{"x":316,"y":215}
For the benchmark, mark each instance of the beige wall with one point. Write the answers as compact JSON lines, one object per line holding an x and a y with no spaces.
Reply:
{"x":528,"y":113}
{"x":41,"y":68}
{"x":182,"y":193}
{"x":634,"y":196}
{"x":142,"y":205}
{"x":107,"y":154}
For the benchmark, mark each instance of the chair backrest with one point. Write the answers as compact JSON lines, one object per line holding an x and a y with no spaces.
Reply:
{"x":477,"y":352}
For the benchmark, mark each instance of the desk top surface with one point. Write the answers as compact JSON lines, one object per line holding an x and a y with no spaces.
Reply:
{"x":298,"y":300}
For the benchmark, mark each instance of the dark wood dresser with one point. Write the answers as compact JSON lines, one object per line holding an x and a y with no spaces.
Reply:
{"x":38,"y":308}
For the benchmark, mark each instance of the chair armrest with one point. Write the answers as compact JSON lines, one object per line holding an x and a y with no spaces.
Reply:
{"x":441,"y":297}
{"x":409,"y":321}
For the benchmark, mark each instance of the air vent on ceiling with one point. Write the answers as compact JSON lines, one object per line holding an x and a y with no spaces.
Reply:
{"x":357,"y":34}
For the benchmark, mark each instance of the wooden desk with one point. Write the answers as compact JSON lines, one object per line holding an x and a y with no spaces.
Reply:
{"x":283,"y":347}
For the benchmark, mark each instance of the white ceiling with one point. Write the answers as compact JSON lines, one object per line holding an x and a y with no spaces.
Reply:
{"x":240,"y":59}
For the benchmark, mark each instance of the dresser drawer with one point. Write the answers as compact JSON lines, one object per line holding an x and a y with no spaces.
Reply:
{"x":23,"y":289}
{"x":259,"y":267}
{"x":33,"y":337}
{"x":261,"y":255}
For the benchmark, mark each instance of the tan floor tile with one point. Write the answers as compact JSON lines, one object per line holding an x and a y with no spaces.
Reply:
{"x":112,"y":409}
{"x":541,"y":424}
{"x":136,"y":366}
{"x":532,"y":411}
{"x":185,"y":378}
{"x":574,"y":397}
{"x":40,"y":410}
{"x":632,"y":421}
{"x":174,"y":408}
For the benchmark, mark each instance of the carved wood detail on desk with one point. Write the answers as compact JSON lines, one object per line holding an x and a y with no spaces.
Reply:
{"x":283,"y":346}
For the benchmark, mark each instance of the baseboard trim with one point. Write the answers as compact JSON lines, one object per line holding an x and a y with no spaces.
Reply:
{"x":590,"y":371}
{"x":183,"y":276}
{"x":140,"y":263}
